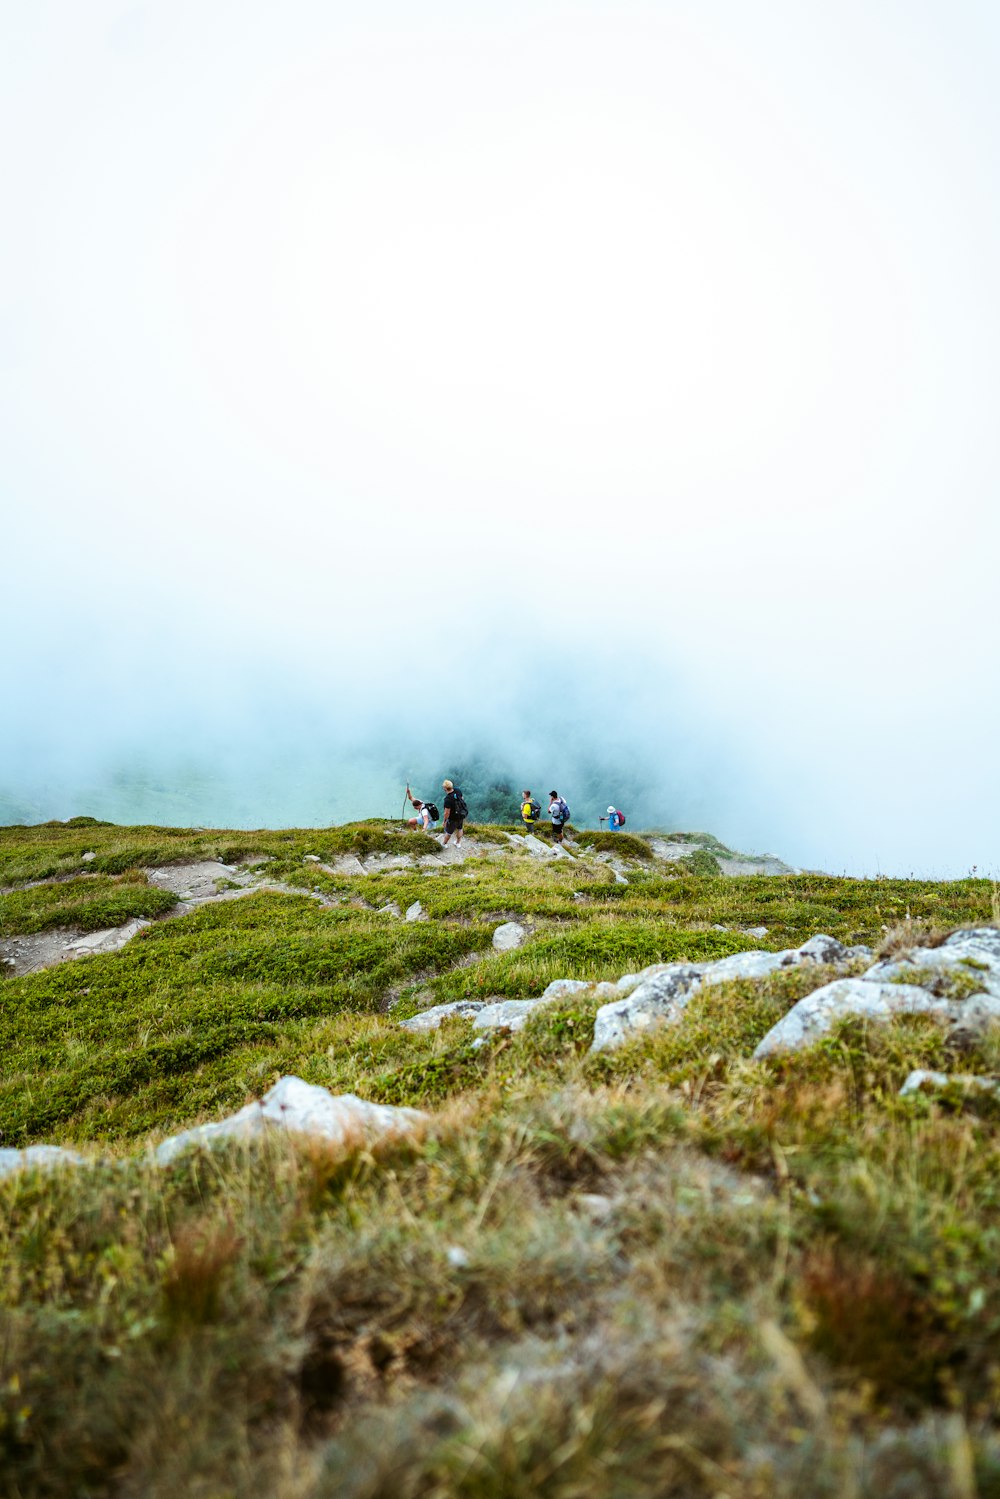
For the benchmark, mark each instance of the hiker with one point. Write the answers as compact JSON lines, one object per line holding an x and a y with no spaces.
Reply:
{"x":455,"y":813}
{"x":427,"y":813}
{"x":616,"y":819}
{"x":559,"y":813}
{"x":530,"y":810}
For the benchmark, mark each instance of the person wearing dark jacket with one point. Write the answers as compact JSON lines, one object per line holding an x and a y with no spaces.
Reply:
{"x":455,"y":813}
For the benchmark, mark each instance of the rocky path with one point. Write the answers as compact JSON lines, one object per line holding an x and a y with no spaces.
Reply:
{"x":208,"y":881}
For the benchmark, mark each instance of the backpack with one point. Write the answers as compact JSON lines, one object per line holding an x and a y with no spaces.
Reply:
{"x":621,"y":817}
{"x":460,"y":808}
{"x":535,"y":811}
{"x":563,"y":811}
{"x":432,"y":811}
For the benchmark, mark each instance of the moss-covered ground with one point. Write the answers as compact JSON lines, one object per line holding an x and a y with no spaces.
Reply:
{"x":666,"y":1270}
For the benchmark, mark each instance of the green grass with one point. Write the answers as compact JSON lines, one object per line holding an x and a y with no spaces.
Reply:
{"x":88,"y":904}
{"x":662,"y":1270}
{"x":625,"y":845}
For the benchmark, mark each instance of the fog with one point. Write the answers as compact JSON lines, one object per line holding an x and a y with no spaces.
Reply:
{"x":603,"y":391}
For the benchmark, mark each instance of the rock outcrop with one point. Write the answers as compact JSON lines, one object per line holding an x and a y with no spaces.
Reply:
{"x":430,"y":1020}
{"x":660,"y":993}
{"x":923,"y":1079}
{"x":43,"y":1157}
{"x":509,"y":936}
{"x":958,"y":982}
{"x":302,"y":1108}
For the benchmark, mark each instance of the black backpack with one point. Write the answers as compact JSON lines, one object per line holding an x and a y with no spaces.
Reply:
{"x":535,"y":809}
{"x":433,"y":811}
{"x":460,"y":808}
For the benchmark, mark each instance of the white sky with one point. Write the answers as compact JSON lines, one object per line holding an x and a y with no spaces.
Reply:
{"x":697,"y":299}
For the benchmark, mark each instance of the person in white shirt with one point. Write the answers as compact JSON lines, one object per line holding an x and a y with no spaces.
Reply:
{"x":423,"y":819}
{"x":559,"y":813}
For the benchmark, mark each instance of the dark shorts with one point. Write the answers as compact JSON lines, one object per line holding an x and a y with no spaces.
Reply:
{"x":454,"y":824}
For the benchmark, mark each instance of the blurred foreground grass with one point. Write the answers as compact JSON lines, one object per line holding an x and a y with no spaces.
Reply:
{"x":666,"y":1270}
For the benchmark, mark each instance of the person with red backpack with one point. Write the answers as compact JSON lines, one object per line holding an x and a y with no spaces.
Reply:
{"x":616,"y":819}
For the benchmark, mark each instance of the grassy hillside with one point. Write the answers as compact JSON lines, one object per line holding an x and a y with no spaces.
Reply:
{"x":664,"y":1270}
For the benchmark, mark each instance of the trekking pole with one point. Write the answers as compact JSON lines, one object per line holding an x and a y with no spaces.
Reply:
{"x":402,"y":815}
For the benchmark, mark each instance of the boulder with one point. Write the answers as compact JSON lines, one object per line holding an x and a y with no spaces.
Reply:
{"x":512,"y":934}
{"x":416,"y":912}
{"x":505,"y":1015}
{"x":874,"y":999}
{"x":536,"y":847}
{"x":430,"y":1020}
{"x":44,"y":1157}
{"x":915,"y":982}
{"x":971,"y":955}
{"x":300,"y":1108}
{"x":968,"y":1082}
{"x":654,"y":1000}
{"x":390,"y":909}
{"x":87,"y":858}
{"x":561,"y":988}
{"x":660,"y":993}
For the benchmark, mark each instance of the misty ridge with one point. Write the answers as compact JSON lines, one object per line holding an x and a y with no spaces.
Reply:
{"x":281,"y":753}
{"x":217,"y":728}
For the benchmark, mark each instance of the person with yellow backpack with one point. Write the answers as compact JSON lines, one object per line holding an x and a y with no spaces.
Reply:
{"x":531,"y":812}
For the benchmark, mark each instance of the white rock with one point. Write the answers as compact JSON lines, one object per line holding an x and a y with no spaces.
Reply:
{"x":921,"y":1075}
{"x":654,"y":1000}
{"x":967,"y":1081}
{"x":509,"y":936}
{"x":416,"y":912}
{"x":430,"y":1020}
{"x":87,"y":858}
{"x":505,"y":1014}
{"x":390,"y":909}
{"x":311,"y":859}
{"x":751,"y":931}
{"x":973,"y":954}
{"x":619,"y":878}
{"x":818,"y":1012}
{"x":560,"y":988}
{"x":660,"y":993}
{"x":595,"y":1204}
{"x":630,"y":981}
{"x":748,"y":965}
{"x":109,"y":940}
{"x":45,"y":1157}
{"x":300,"y":1108}
{"x":559,"y":852}
{"x":456,"y":1256}
{"x":537,"y":847}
